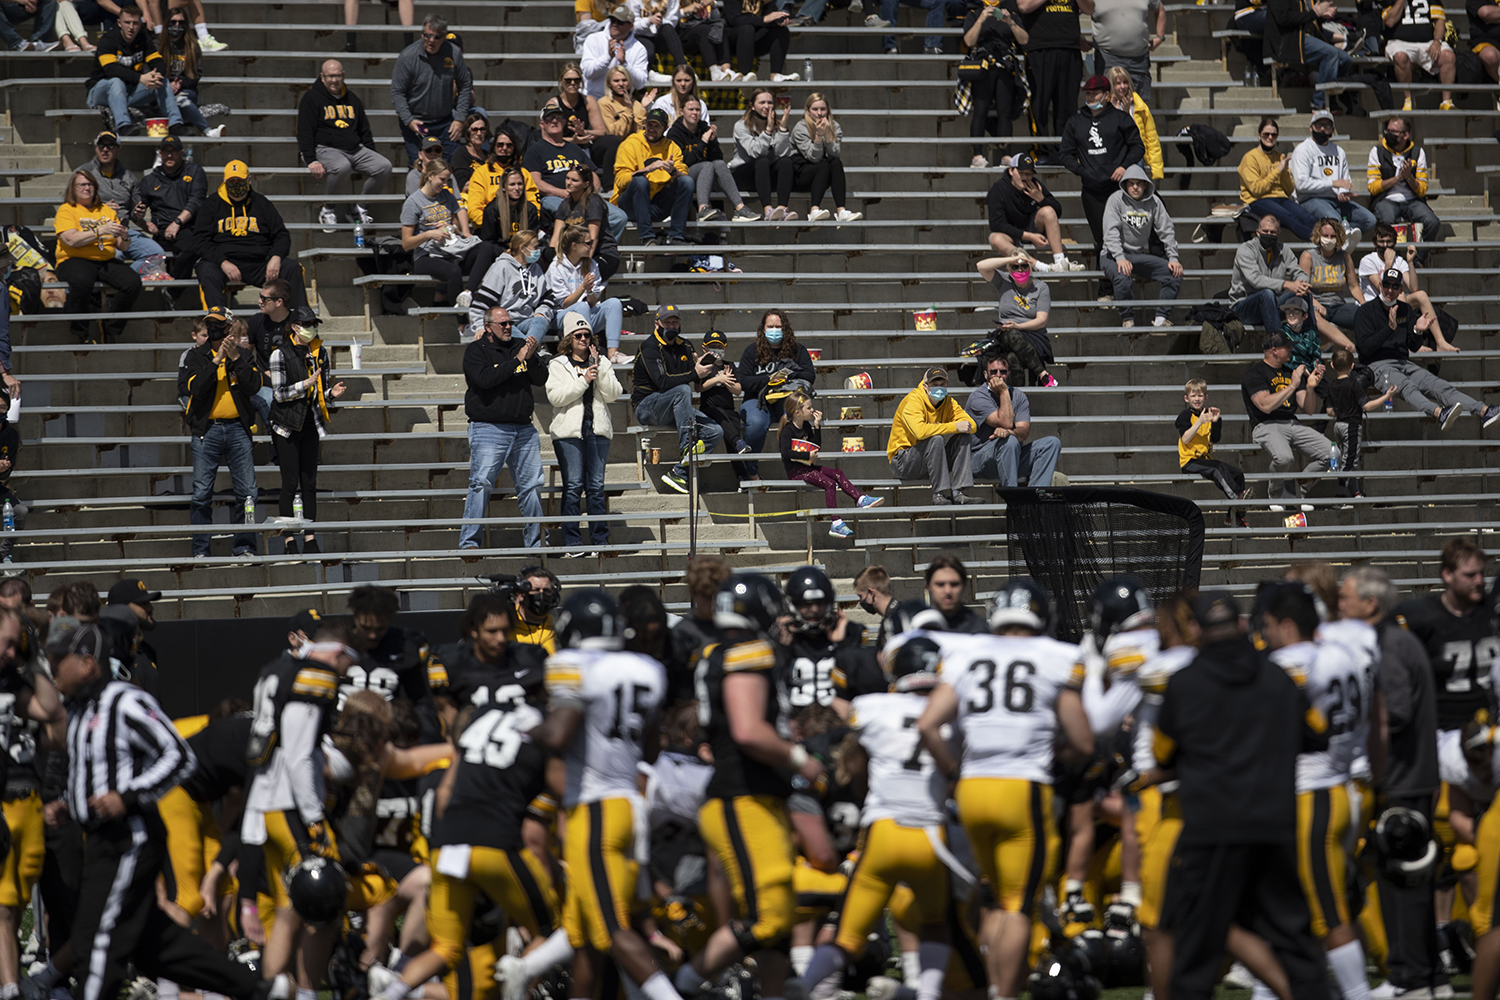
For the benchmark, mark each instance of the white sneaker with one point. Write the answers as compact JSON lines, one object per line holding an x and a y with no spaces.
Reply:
{"x":464,"y":298}
{"x":362,"y":215}
{"x":329,"y":218}
{"x":1161,"y":321}
{"x":816,"y":214}
{"x":783,"y":77}
{"x":1389,"y":991}
{"x":211,"y":44}
{"x":216,"y":132}
{"x":978,"y":163}
{"x":746,"y":77}
{"x":44,"y":46}
{"x":655,"y":79}
{"x":1351,"y":240}
{"x":381,"y":978}
{"x":716,"y":74}
{"x":1277,"y":508}
{"x":876,"y":21}
{"x":1077,"y":265}
{"x":844,"y":215}
{"x":1047,"y":267}
{"x":510,"y":972}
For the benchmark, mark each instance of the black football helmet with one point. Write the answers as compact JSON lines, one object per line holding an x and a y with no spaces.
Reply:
{"x":318,"y":888}
{"x":903,"y":616}
{"x":590,"y":619}
{"x":810,"y":585}
{"x":1064,"y":973}
{"x":1124,"y":955}
{"x":750,"y":602}
{"x":915,"y":665}
{"x":1020,"y":601}
{"x":1121,"y":603}
{"x":1404,"y":847}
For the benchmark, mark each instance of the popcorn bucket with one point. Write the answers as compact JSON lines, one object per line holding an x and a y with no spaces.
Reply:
{"x":816,"y":353}
{"x":854,"y":444}
{"x":1296,"y":521}
{"x":860,"y":381}
{"x":156,"y":128}
{"x":655,"y":456}
{"x":925,"y":319}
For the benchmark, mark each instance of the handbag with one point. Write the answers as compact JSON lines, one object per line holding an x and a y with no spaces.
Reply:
{"x":972,"y":68}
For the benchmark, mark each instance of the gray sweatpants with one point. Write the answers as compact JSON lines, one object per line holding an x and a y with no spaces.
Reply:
{"x":1278,"y":438}
{"x":942,"y":461}
{"x":341,"y":166}
{"x":705,"y":172}
{"x":1421,"y":389}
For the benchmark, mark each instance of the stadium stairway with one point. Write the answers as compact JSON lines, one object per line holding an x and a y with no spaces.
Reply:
{"x":106,"y":466}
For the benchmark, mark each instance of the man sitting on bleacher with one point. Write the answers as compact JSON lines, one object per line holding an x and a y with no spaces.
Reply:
{"x":931,"y":440}
{"x":239,"y":237}
{"x":334,"y":138}
{"x":169,"y":198}
{"x":1003,"y":449}
{"x":1263,"y":269}
{"x":1294,"y":36}
{"x":128,"y":72}
{"x":1397,"y":180}
{"x":664,"y":374}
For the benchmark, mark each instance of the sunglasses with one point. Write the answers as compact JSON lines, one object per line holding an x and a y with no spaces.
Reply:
{"x":505,"y":322}
{"x":1269,"y":135}
{"x":431,"y":38}
{"x":572,"y":79}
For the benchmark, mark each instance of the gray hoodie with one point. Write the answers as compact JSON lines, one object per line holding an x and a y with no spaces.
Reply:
{"x":1256,"y":268}
{"x":519,"y":289}
{"x":1128,"y":223}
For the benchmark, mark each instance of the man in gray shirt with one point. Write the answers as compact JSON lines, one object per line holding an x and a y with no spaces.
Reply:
{"x":1126,"y":32}
{"x":432,"y":89}
{"x":1002,"y":449}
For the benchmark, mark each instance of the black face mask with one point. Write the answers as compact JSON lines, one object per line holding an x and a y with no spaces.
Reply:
{"x":1268,"y":241}
{"x":867,"y":607}
{"x":1268,"y":148}
{"x":176,"y":31}
{"x":1393,"y":140}
{"x":1322,"y":138}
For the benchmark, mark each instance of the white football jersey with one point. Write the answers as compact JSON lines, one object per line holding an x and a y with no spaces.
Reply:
{"x":617,"y":692}
{"x":675,"y":787}
{"x":947,"y":641}
{"x":905,"y":784}
{"x":1340,"y":687}
{"x":1007,"y":688}
{"x":1152,"y":678}
{"x":1454,"y":770}
{"x":1110,"y":690}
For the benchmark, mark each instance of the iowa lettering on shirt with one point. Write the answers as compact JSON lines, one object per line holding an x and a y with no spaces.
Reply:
{"x":340,"y":114}
{"x":239,"y":225}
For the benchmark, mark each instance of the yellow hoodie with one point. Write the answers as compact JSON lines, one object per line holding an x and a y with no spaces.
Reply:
{"x":635,"y":152}
{"x":917,"y":420}
{"x":1258,"y":178}
{"x":484,"y":184}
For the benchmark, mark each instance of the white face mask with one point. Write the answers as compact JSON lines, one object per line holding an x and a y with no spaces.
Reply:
{"x":1388,"y":302}
{"x":1327,"y":245}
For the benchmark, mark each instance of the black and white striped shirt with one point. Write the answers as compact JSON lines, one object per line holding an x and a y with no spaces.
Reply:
{"x":120,"y":740}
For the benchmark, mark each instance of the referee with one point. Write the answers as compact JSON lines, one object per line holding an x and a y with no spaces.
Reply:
{"x":123,"y":755}
{"x":1231,"y":725}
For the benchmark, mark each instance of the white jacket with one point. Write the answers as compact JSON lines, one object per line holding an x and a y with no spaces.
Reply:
{"x":1315,"y":168}
{"x":595,"y":59}
{"x":565,"y":388}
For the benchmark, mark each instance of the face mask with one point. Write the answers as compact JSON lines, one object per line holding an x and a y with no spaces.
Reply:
{"x":1388,"y":302}
{"x":534,"y":256}
{"x":1393,"y":140}
{"x":1268,"y":241}
{"x":867,"y":607}
{"x":937,"y":394}
{"x":1093,"y":106}
{"x":1269,"y":148}
{"x":175,"y":31}
{"x":1321,"y":138}
{"x":237,"y":189}
{"x":1020,"y":277}
{"x":1328,"y":245}
{"x":773,"y":335}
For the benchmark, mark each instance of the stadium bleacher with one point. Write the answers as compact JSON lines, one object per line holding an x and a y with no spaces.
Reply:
{"x":106,"y":465}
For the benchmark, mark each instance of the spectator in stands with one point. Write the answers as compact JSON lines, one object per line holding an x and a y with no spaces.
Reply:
{"x":931,"y":440}
{"x":716,"y":397}
{"x":1384,"y":328}
{"x":1054,"y":60}
{"x":168,"y":199}
{"x":429,"y":151}
{"x":1330,"y":273}
{"x":1293,"y":34}
{"x":816,"y":163}
{"x":651,"y":181}
{"x":1126,"y":32}
{"x":516,"y":284}
{"x":993,"y":35}
{"x":1320,"y":177}
{"x":662,"y":394}
{"x":1025,"y":304}
{"x":1023,"y":212}
{"x":221,"y":379}
{"x":1135,"y":224}
{"x":699,"y":142}
{"x":239,"y":236}
{"x":1385,"y":256}
{"x":1266,"y":185}
{"x":1397,"y":180}
{"x":548,"y":161}
{"x":484,"y":183}
{"x":1273,"y":396}
{"x":117,"y":190}
{"x":938,"y":12}
{"x":800,"y":439}
{"x":1250,"y":16}
{"x":620,"y":116}
{"x":769,"y":369}
{"x":303,"y":393}
{"x":1484,"y":37}
{"x":1263,"y":269}
{"x":1123,"y":96}
{"x":763,"y":155}
{"x":1002,"y":447}
{"x":404,"y":11}
{"x":89,"y":233}
{"x":10,"y":454}
{"x":575,"y":284}
{"x":334,"y":138}
{"x":500,"y":371}
{"x":585,"y":208}
{"x":432,"y":89}
{"x":43,"y":16}
{"x":616,"y":46}
{"x":756,"y":28}
{"x":431,"y":222}
{"x":1199,"y":428}
{"x":1345,"y":400}
{"x":581,"y":390}
{"x":511,"y":213}
{"x":1414,"y":35}
{"x":1098,"y":143}
{"x":129,"y":73}
{"x":70,"y":30}
{"x":182,"y":61}
{"x":575,"y":106}
{"x":945,"y":581}
{"x":474,"y":150}
{"x":272,"y":321}
{"x":703,"y":27}
{"x":656,"y":29}
{"x":684,"y":88}
{"x":1302,"y":335}
{"x":194,"y":10}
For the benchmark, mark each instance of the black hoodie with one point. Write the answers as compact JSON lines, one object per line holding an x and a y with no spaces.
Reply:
{"x":694,"y":149}
{"x":499,"y":385}
{"x":245,"y":232}
{"x":338,"y":122}
{"x":1093,"y":147}
{"x":166,"y":196}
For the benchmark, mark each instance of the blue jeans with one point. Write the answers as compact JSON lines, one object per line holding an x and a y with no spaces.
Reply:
{"x":188,"y":104}
{"x":675,"y":199}
{"x":262,"y":403}
{"x":583,"y":460}
{"x":120,"y":97}
{"x":674,"y":408}
{"x":609,"y":313}
{"x":617,"y":216}
{"x":12,"y":13}
{"x":1008,"y":460}
{"x":758,"y":417}
{"x":1328,"y":65}
{"x":937,"y":15}
{"x":1351,"y":212}
{"x":492,"y":446}
{"x":437,"y":127}
{"x":141,"y":247}
{"x":1259,"y":308}
{"x":531,"y":328}
{"x":1296,"y":218}
{"x":222,"y":443}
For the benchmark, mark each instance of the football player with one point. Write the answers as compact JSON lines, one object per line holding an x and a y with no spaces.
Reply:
{"x":820,"y":645}
{"x":1455,"y":626}
{"x":1010,"y":696}
{"x":393,"y":660}
{"x":486,"y":666}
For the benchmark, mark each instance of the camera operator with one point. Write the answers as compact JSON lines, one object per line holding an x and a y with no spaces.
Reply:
{"x":221,"y":381}
{"x":536,"y":592}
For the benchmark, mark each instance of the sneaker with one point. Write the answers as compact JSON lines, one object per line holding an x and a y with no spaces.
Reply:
{"x":1306,"y":508}
{"x":941,"y":500}
{"x":1076,"y":265}
{"x":181,"y":129}
{"x":978,"y":163}
{"x":801,"y":21}
{"x":1389,"y":991}
{"x":817,"y":214}
{"x":362,"y":215}
{"x":844,"y":215}
{"x":882,"y":988}
{"x":963,"y":499}
{"x":129,"y":128}
{"x":932,"y":50}
{"x":838,"y":529}
{"x":1277,"y":508}
{"x":1238,"y":978}
{"x":659,"y":80}
{"x":696,"y":448}
{"x":1127,"y":322}
{"x":742,"y":447}
{"x":214,"y":110}
{"x":1247,"y":492}
{"x":1048,"y":382}
{"x":745,"y":215}
{"x":1446,"y":417}
{"x":892,"y":51}
{"x":1490,"y":415}
{"x":1405,"y":106}
{"x":746,"y":77}
{"x":1351,"y":240}
{"x":790,"y":216}
{"x":329,"y":219}
{"x":870,"y":501}
{"x":1446,"y":106}
{"x":1105,"y":297}
{"x":44,"y":46}
{"x":717,"y":74}
{"x":649,"y":241}
{"x":775,"y":214}
{"x":678,"y":241}
{"x":464,"y":298}
{"x":1161,"y":321}
{"x":211,"y":44}
{"x":217,"y":131}
{"x":21,"y":46}
{"x":876,"y":21}
{"x":783,"y":77}
{"x":674,"y":480}
{"x":710,"y":214}
{"x":1047,"y":267}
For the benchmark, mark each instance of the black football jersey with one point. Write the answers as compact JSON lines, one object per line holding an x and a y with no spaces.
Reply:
{"x":500,"y":770}
{"x":398,"y":665}
{"x":734,"y":773}
{"x":220,"y":749}
{"x":519,"y":677}
{"x":396,"y":813}
{"x":18,"y":734}
{"x":1461,"y":649}
{"x":813,"y":665}
{"x":284,"y":680}
{"x":841,"y":803}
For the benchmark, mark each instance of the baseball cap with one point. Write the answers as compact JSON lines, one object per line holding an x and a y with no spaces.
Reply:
{"x":68,"y":635}
{"x":573,"y":322}
{"x":217,"y":314}
{"x":1391,"y":276}
{"x":305,"y":621}
{"x":1276,"y":339}
{"x":106,"y":138}
{"x":715,"y":338}
{"x":1023,"y":162}
{"x":551,"y":110}
{"x":1215,"y":607}
{"x":667,"y":312}
{"x":657,"y":115}
{"x":1289,"y":302}
{"x":621,"y":13}
{"x":455,"y":38}
{"x":236,"y":170}
{"x":132,"y":591}
{"x":935,"y":374}
{"x":304,"y":316}
{"x":1096,"y":82}
{"x":1321,"y":115}
{"x":169,"y":142}
{"x":433,"y":140}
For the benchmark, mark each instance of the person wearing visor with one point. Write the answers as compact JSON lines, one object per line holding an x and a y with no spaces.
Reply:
{"x":302,"y":393}
{"x":930,"y":441}
{"x":663,"y":378}
{"x":239,"y":237}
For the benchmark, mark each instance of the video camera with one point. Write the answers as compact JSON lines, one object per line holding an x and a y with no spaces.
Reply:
{"x":539,"y":601}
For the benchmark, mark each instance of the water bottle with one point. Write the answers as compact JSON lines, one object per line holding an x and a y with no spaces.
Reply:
{"x":1333,"y":459}
{"x":250,"y":509}
{"x":297,"y":506}
{"x":807,"y":70}
{"x":10,"y":518}
{"x":1390,"y":403}
{"x":359,"y":234}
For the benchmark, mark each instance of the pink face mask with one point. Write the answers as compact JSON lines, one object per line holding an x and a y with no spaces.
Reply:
{"x":1020,"y":277}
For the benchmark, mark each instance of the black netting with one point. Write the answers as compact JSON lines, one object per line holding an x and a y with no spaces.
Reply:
{"x":1072,"y":537}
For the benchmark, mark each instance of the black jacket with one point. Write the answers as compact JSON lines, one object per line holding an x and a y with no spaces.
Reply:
{"x":326,"y":120}
{"x":166,"y":197}
{"x":1373,"y":336}
{"x":203,"y":379}
{"x":754,"y":376}
{"x":10,"y":447}
{"x":499,"y":385}
{"x":118,"y":60}
{"x":1093,"y":147}
{"x":1011,"y":208}
{"x":266,"y":334}
{"x":1407,"y":683}
{"x":694,"y":149}
{"x":246,"y":232}
{"x":1287,"y":21}
{"x":966,"y":620}
{"x":662,"y":366}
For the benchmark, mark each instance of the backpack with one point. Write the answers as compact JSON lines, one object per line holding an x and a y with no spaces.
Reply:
{"x":388,"y":257}
{"x":1209,"y":145}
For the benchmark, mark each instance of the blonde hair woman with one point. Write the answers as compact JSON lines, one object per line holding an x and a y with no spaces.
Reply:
{"x":1123,"y":96}
{"x":816,"y":163}
{"x":88,"y":233}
